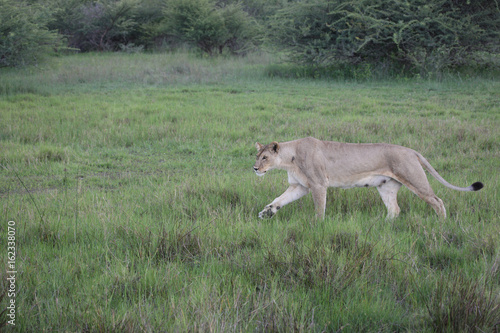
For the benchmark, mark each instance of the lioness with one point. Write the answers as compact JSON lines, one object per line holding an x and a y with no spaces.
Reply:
{"x":315,"y":165}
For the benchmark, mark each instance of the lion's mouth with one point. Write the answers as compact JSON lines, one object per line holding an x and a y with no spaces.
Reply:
{"x":260,"y":173}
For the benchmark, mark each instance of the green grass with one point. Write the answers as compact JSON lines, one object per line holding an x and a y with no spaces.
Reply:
{"x":130,"y":181}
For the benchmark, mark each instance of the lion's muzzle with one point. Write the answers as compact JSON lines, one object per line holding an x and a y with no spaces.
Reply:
{"x":257,"y":172}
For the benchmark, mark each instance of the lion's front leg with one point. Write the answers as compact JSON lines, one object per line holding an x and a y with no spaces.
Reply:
{"x":293,"y":193}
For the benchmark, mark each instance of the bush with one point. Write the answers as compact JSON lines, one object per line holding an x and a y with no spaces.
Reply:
{"x":427,"y":36}
{"x":102,"y":25}
{"x":148,"y":16}
{"x":108,"y":24}
{"x":210,"y":27}
{"x":24,"y":37}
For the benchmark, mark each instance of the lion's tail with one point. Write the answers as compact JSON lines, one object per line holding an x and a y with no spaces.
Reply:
{"x":474,"y":187}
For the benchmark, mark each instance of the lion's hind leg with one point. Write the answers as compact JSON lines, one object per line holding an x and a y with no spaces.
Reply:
{"x":438,"y":205}
{"x":417,"y":182}
{"x":428,"y":196}
{"x":389,"y":192}
{"x":319,"y":198}
{"x":433,"y":200}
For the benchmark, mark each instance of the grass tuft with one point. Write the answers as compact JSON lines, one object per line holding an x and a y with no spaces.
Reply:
{"x":179,"y":246}
{"x":459,"y":304}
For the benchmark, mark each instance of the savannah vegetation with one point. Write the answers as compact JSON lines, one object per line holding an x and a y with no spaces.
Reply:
{"x":129,"y":177}
{"x":420,"y":37}
{"x":129,"y":173}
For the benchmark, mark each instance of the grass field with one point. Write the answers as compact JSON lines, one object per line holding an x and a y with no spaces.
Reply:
{"x":129,"y":179}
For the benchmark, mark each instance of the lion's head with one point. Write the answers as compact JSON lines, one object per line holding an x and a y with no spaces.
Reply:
{"x":267,"y":158}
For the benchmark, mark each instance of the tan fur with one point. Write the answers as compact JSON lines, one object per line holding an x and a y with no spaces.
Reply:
{"x":315,"y":165}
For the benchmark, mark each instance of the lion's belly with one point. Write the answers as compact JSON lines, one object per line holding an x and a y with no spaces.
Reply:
{"x":362,"y":181}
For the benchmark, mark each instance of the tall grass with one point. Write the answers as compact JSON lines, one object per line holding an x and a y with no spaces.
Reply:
{"x":85,"y":72}
{"x":131,"y":185}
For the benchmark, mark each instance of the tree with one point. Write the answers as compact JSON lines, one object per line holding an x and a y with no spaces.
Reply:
{"x":107,"y":24}
{"x":24,"y":37}
{"x":426,"y":35}
{"x":208,"y":26}
{"x":102,"y":25}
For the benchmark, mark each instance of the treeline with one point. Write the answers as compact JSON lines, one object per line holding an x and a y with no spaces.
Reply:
{"x":31,"y":28}
{"x":425,"y":35}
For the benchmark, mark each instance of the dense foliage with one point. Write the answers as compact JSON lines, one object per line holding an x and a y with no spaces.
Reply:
{"x":208,"y":26}
{"x":425,"y":36}
{"x":24,"y":35}
{"x":95,"y":25}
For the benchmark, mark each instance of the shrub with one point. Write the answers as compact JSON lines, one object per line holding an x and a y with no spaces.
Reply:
{"x":428,"y":36}
{"x":208,"y":26}
{"x":24,"y":37}
{"x":103,"y":25}
{"x":118,"y":25}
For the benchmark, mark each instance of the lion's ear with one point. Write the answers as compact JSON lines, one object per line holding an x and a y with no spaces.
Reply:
{"x":275,"y":147}
{"x":258,"y":146}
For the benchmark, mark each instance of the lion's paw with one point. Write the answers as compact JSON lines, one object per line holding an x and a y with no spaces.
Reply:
{"x":268,"y":212}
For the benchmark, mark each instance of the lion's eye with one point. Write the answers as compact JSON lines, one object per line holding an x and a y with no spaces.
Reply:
{"x":264,"y":157}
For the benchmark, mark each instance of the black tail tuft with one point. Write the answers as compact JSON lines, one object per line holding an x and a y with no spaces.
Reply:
{"x":477,"y":186}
